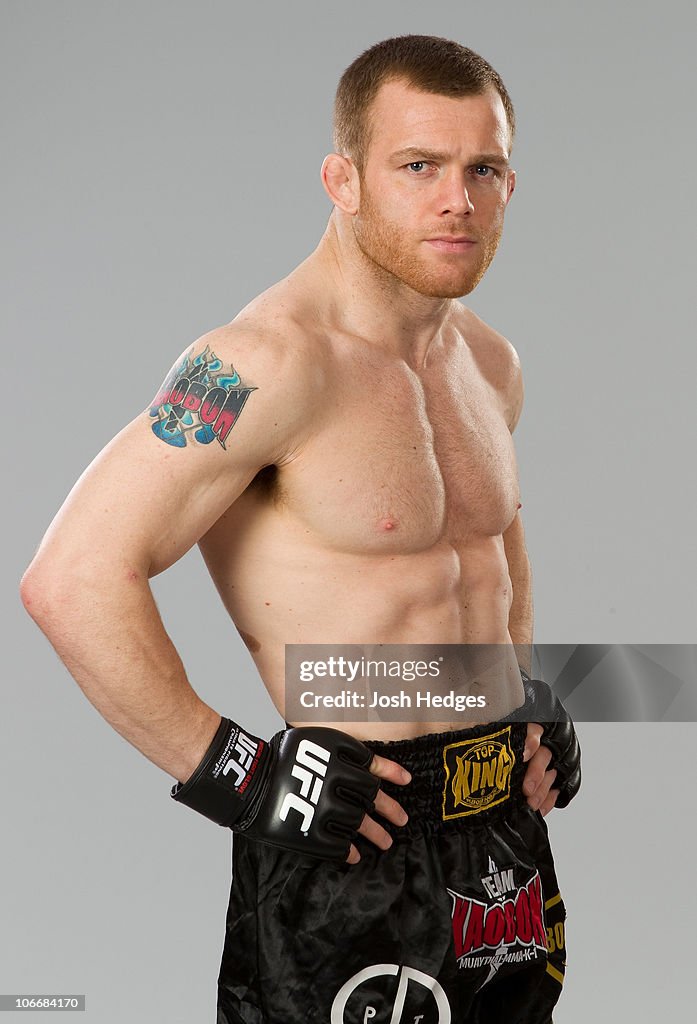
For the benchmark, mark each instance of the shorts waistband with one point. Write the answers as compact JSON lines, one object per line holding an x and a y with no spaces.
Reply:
{"x":460,"y":779}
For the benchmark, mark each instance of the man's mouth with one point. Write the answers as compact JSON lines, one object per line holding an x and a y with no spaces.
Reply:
{"x":452,"y":243}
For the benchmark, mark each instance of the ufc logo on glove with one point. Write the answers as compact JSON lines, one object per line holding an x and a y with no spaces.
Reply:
{"x":246,"y":749}
{"x":310,"y":768}
{"x":336,"y":787}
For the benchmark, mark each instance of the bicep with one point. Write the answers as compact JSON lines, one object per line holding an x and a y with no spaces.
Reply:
{"x":515,"y":392}
{"x":514,"y":546}
{"x":167,"y":477}
{"x":147,"y":504}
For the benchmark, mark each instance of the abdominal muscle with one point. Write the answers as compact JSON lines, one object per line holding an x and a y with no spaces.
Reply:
{"x":280,"y":588}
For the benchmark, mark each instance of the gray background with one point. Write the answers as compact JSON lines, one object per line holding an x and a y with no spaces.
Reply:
{"x":160,"y":167}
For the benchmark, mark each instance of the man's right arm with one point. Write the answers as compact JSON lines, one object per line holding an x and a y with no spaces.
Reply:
{"x":143,"y":502}
{"x":230,"y":406}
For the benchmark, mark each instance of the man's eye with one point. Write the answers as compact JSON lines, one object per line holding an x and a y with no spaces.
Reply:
{"x":416,"y":165}
{"x":488,"y":171}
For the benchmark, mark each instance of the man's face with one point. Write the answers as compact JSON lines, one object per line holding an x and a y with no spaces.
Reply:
{"x":436,"y":169}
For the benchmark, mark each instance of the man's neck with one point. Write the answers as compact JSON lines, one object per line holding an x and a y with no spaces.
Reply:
{"x":368,"y":301}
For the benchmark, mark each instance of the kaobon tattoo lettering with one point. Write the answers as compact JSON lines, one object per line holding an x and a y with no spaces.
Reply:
{"x":198,"y":400}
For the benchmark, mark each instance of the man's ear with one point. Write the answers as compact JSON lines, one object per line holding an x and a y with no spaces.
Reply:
{"x":341,"y":182}
{"x":511,"y":184}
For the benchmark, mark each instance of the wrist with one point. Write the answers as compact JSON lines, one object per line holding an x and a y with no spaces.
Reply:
{"x":199,"y":747}
{"x":224,"y":785}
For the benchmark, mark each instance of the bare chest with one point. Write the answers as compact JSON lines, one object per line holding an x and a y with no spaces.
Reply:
{"x":405,"y":460}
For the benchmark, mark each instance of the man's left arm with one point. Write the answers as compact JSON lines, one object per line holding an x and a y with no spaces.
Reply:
{"x":539,"y":778}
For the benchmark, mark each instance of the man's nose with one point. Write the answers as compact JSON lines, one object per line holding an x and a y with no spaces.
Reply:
{"x":454,"y":197}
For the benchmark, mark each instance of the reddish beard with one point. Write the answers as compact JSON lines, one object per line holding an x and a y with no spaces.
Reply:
{"x":382,"y":242}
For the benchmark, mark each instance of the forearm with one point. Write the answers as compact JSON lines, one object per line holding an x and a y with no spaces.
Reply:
{"x":112,"y":641}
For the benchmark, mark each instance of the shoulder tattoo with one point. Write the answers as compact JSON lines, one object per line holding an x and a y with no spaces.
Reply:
{"x":199,"y":400}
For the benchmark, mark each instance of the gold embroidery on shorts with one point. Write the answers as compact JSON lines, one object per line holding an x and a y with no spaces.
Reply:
{"x":477,"y":774}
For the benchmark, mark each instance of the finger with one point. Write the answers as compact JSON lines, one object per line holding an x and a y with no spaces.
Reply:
{"x":542,"y":791}
{"x":532,"y":740}
{"x":390,"y":770}
{"x":390,"y":809}
{"x":537,"y":767}
{"x":354,"y":856}
{"x":375,"y":833}
{"x":549,"y":802}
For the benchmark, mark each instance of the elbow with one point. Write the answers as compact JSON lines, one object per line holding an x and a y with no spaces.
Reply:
{"x":63,"y":592}
{"x":53,"y":595}
{"x":37,"y":593}
{"x":29,"y":591}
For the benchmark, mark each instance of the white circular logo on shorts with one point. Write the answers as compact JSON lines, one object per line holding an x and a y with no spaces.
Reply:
{"x":406,"y":974}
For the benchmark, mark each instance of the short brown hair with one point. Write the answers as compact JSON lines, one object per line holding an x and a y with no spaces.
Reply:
{"x":429,"y":63}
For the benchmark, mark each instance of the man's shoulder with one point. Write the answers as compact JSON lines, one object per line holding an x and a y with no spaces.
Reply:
{"x":263,"y":351}
{"x":266,"y":342}
{"x":487,"y":344}
{"x":497,"y":359}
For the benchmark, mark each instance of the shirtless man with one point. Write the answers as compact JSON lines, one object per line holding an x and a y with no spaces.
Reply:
{"x":342,"y":454}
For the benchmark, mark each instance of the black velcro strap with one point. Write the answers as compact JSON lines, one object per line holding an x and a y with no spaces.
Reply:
{"x":228,"y":777}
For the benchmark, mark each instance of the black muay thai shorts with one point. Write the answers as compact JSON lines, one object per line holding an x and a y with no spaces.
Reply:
{"x":460,"y":921}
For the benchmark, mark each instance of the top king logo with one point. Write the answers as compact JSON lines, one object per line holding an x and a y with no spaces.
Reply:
{"x":477,"y":774}
{"x":198,"y":399}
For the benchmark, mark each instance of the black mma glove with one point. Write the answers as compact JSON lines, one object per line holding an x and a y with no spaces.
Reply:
{"x":558,"y":733}
{"x":305,"y":790}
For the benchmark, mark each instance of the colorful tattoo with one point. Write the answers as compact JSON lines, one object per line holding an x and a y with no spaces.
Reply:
{"x":198,"y":399}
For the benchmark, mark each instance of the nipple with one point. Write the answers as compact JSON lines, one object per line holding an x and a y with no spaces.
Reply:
{"x":388,"y":523}
{"x":519,"y":505}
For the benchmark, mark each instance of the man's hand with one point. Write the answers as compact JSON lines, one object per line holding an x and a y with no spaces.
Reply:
{"x":538,"y":782}
{"x":346,"y":785}
{"x":384,"y":805}
{"x":309,"y":789}
{"x":559,"y":739}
